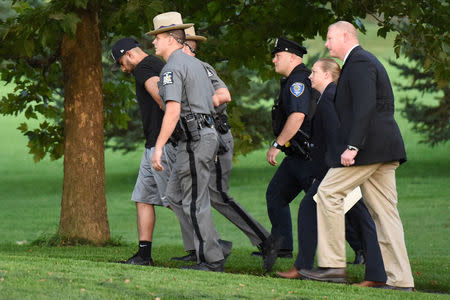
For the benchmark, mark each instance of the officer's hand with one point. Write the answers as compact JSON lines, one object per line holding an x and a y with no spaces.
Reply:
{"x":156,"y":160}
{"x":272,"y":155}
{"x":348,"y":157}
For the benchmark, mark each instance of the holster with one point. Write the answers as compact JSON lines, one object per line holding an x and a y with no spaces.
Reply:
{"x":178,"y":134}
{"x":221,"y":123}
{"x":191,"y":124}
{"x":223,"y":147}
{"x":299,"y":146}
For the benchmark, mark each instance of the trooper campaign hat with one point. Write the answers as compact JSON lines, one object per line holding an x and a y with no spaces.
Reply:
{"x":191,"y":36}
{"x":283,"y":44}
{"x":168,"y":21}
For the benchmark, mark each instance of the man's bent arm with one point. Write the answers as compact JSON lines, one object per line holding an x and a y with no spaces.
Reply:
{"x":221,"y":96}
{"x":151,"y":85}
{"x":169,"y":122}
{"x":291,"y":127}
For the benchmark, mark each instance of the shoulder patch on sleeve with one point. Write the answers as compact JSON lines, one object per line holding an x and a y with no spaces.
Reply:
{"x":167,"y":78}
{"x":297,"y":88}
{"x":209,"y":72}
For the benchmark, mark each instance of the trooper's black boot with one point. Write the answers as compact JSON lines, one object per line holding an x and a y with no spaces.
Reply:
{"x":282,"y":253}
{"x":269,"y":251}
{"x":218,"y":266}
{"x":226,"y":248}
{"x":191,"y":256}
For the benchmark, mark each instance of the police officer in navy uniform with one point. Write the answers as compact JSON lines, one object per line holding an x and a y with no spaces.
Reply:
{"x":291,"y":127}
{"x":187,"y":94}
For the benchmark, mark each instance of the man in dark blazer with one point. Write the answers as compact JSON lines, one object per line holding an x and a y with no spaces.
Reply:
{"x":368,"y":150}
{"x":325,"y":123}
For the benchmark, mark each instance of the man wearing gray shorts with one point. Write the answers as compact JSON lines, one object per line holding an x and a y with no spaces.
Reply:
{"x":150,"y":186}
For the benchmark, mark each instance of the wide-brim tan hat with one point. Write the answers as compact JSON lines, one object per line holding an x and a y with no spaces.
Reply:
{"x":190,"y":35}
{"x":168,"y":21}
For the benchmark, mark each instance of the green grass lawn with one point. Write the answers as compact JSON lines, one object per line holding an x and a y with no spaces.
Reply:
{"x":30,"y":196}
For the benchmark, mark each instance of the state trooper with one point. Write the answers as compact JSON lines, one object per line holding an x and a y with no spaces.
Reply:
{"x":291,"y":128}
{"x":219,"y":184}
{"x":187,"y":95}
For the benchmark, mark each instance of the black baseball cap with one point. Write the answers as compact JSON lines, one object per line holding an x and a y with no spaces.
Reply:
{"x":283,"y":44}
{"x":121,"y":47}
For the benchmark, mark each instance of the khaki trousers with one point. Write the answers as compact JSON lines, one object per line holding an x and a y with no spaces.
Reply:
{"x":378,"y":187}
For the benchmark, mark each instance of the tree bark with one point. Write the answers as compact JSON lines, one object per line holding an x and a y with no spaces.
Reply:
{"x":83,"y":205}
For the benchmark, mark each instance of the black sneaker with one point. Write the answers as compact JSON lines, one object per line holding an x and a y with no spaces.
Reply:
{"x":137,"y":260}
{"x":191,"y":256}
{"x":218,"y":266}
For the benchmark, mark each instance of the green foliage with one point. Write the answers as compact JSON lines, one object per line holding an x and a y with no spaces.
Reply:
{"x":240,"y":37}
{"x":430,"y":120}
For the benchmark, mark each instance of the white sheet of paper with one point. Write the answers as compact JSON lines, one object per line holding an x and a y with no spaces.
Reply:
{"x":350,"y":200}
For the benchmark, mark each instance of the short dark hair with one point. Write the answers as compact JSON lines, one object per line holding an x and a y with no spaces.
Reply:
{"x":178,"y":35}
{"x":192,"y":45}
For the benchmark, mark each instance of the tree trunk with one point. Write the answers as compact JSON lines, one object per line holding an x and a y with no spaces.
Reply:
{"x":83,"y":205}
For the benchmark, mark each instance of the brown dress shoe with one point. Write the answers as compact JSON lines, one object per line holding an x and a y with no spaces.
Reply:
{"x":291,"y":274}
{"x":337,"y":275}
{"x":372,"y":284}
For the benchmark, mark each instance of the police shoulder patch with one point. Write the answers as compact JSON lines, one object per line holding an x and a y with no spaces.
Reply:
{"x":167,"y":78}
{"x":209,"y":72}
{"x":297,"y":88}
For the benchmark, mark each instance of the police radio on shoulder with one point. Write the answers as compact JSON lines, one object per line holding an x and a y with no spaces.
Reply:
{"x":276,"y":145}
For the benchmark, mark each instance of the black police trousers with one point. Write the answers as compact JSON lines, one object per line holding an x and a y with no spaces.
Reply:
{"x":292,"y":176}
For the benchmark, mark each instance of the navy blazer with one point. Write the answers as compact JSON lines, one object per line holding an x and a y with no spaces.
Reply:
{"x":324,"y":127}
{"x":364,"y":103}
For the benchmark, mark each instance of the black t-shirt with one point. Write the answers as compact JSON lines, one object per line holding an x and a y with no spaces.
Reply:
{"x":151,"y":114}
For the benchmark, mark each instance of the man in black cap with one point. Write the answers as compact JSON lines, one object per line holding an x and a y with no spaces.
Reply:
{"x":291,"y":128}
{"x":150,"y":188}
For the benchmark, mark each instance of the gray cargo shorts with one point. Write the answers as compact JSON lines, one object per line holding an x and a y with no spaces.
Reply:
{"x":151,"y":185}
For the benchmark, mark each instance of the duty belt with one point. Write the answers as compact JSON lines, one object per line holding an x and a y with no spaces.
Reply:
{"x":203,"y":120}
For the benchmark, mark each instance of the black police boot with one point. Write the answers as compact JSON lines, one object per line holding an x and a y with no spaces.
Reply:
{"x":282,"y":253}
{"x":138,"y":260}
{"x":218,"y":266}
{"x":270,"y":251}
{"x":191,"y":256}
{"x":226,"y":248}
{"x":359,"y":258}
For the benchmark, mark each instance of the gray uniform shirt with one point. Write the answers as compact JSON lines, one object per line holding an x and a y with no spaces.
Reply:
{"x":184,"y":79}
{"x":217,"y":84}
